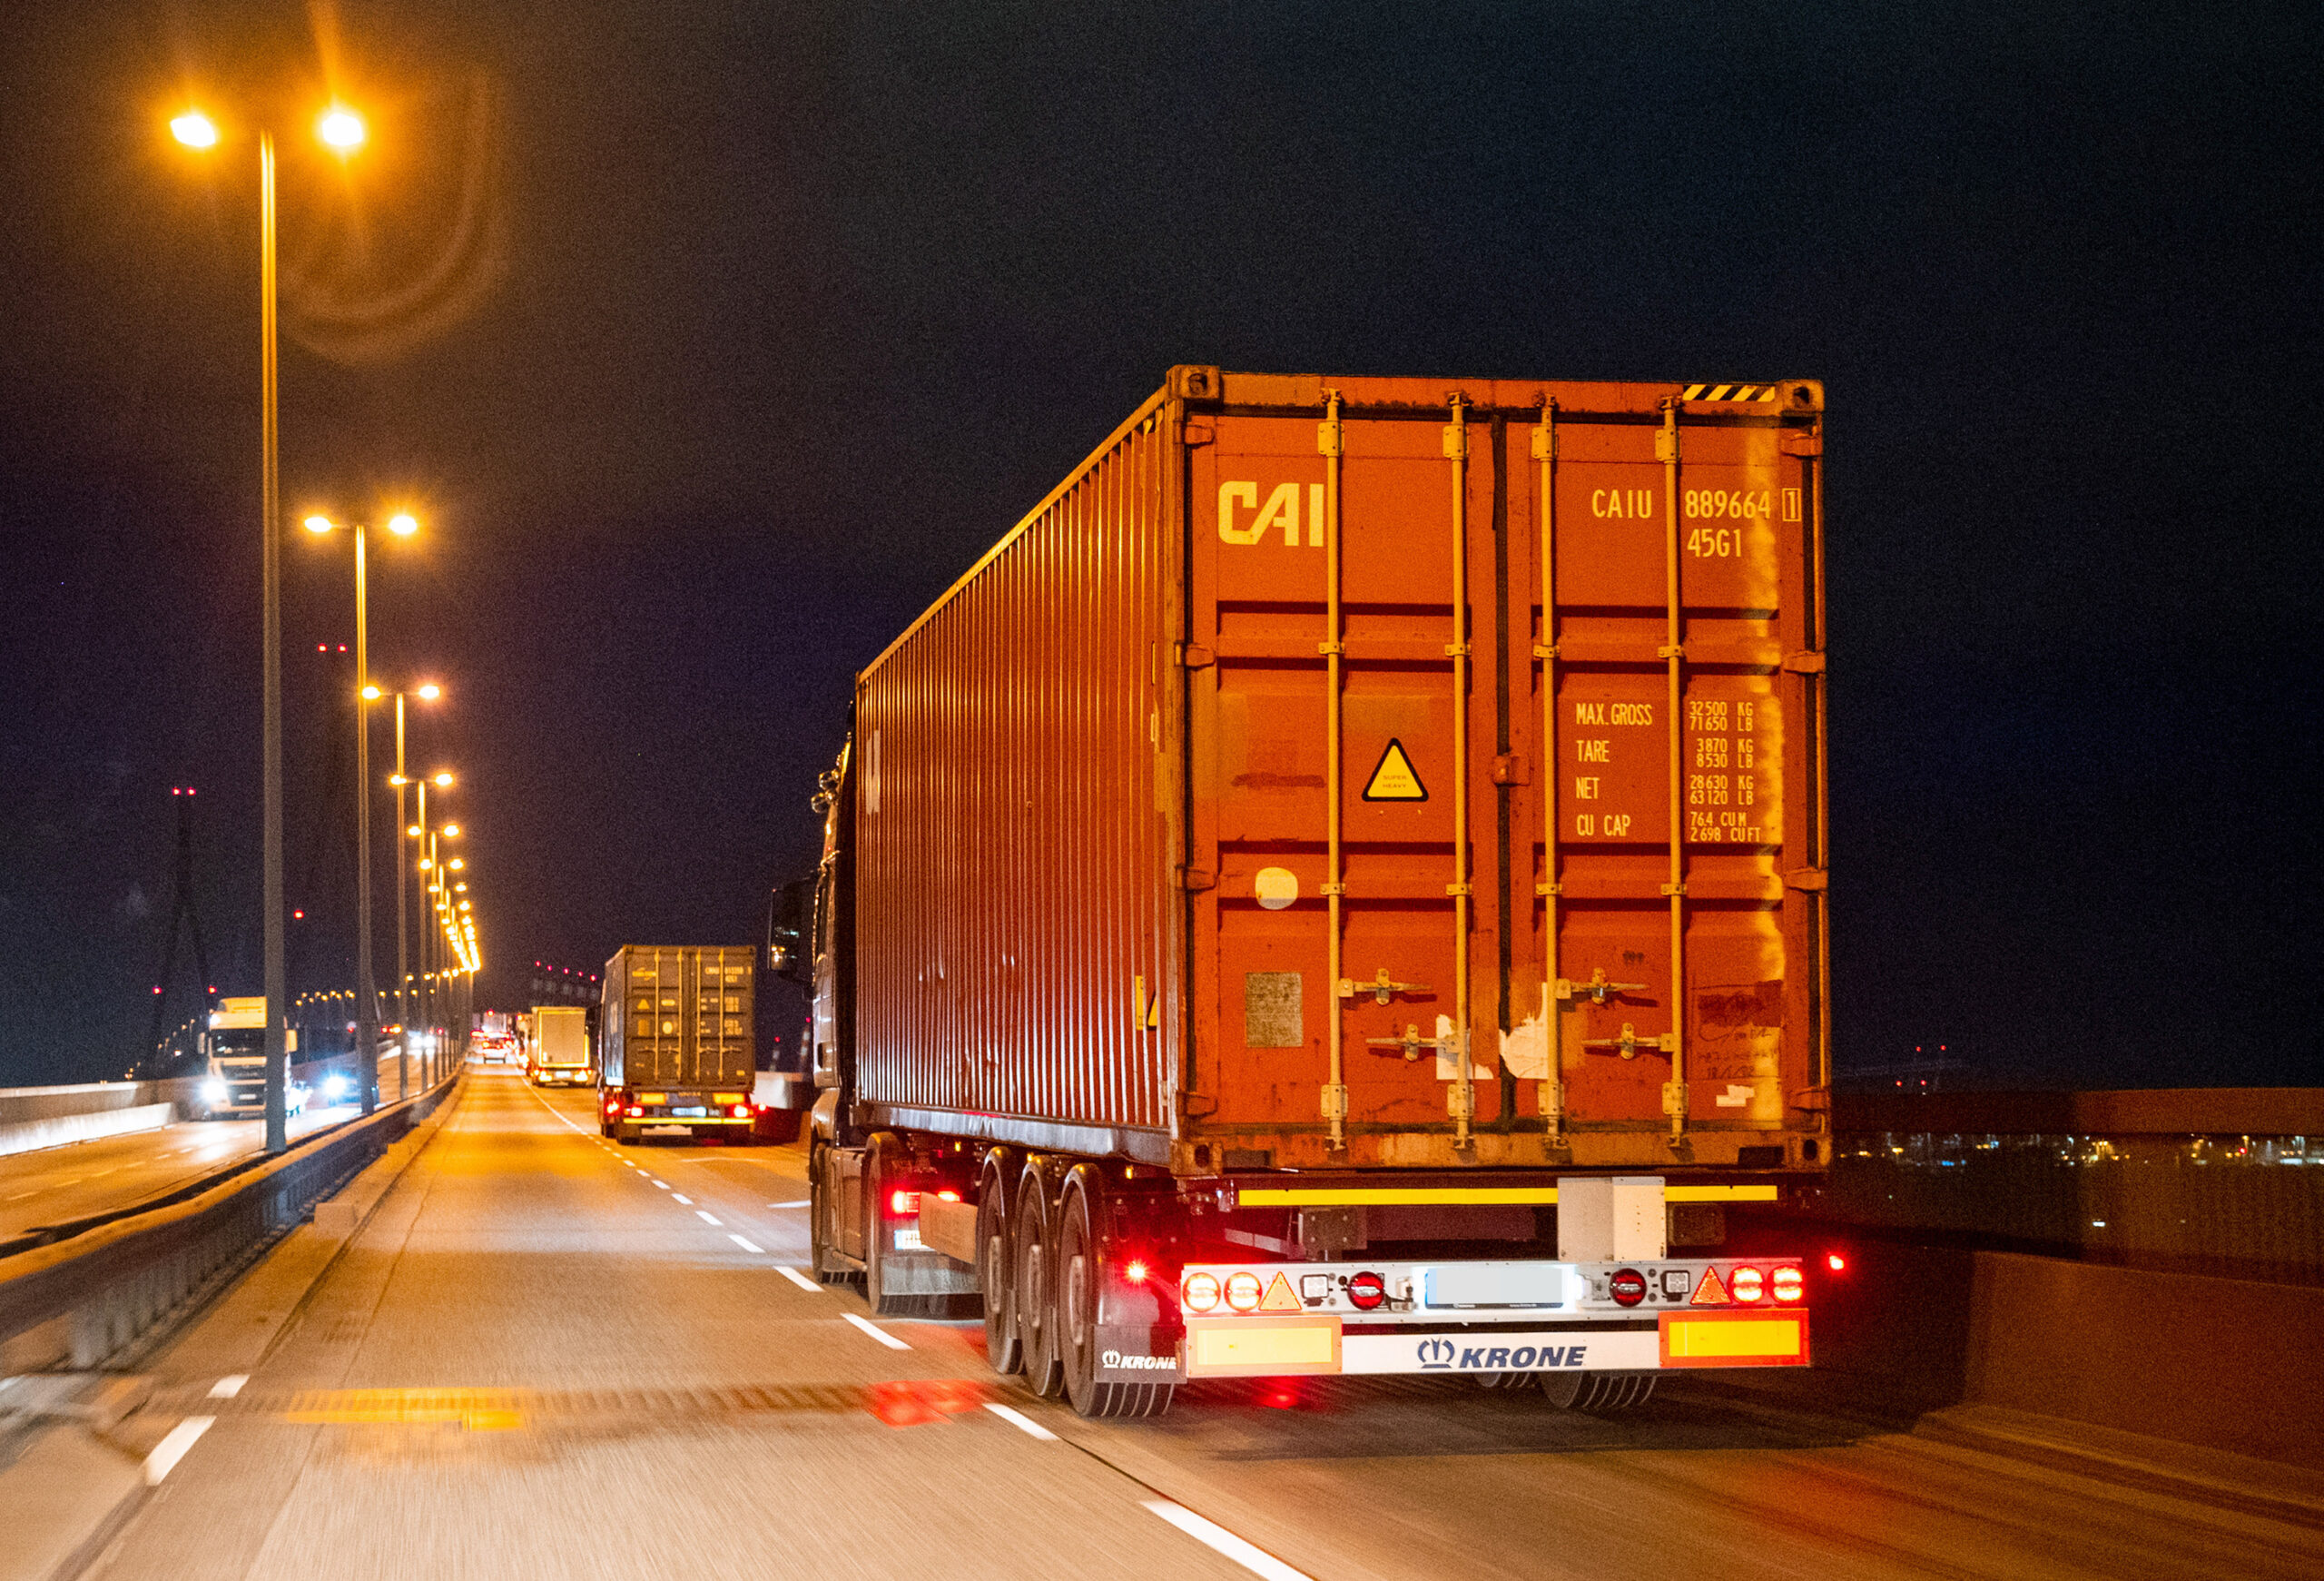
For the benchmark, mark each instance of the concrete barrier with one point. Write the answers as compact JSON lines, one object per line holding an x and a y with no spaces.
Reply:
{"x":2221,"y":1363}
{"x":29,"y":1135}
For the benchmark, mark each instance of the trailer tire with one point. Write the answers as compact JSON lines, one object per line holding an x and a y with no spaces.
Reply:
{"x":1034,"y":1285}
{"x":1078,"y":1279}
{"x":1003,"y":1350}
{"x":1598,"y":1394}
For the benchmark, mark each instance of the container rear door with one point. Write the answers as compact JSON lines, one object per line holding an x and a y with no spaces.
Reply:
{"x":1551,"y":831}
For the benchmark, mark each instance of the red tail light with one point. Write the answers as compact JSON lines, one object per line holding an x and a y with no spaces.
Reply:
{"x":1748,"y":1284}
{"x":1836,"y":1262}
{"x":1365,"y":1291}
{"x":741,"y":1111}
{"x":1629,"y":1286}
{"x":1243,"y":1290}
{"x":1134,"y":1271}
{"x":1790,"y":1285}
{"x":902,"y":1204}
{"x":948,"y":1196}
{"x":635,"y":1111}
{"x":1200,"y":1293}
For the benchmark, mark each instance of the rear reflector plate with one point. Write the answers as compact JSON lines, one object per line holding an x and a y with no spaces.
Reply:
{"x":1760,"y":1339}
{"x":1281,"y":1347}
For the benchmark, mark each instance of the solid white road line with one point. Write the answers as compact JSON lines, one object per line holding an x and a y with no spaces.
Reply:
{"x":882,"y":1335}
{"x":709,"y":1219}
{"x":228,"y":1386}
{"x":1019,"y":1419}
{"x":1213,"y":1535}
{"x":681,"y":1197}
{"x":800,"y":1280}
{"x":745,"y":1245}
{"x":172,"y":1448}
{"x":806,"y":1204}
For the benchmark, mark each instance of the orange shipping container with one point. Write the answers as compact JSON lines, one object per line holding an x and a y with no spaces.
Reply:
{"x":1366,"y":773}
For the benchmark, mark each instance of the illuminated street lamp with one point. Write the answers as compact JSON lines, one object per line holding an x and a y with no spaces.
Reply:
{"x":367,"y":1010}
{"x":427,"y":692}
{"x":343,"y":130}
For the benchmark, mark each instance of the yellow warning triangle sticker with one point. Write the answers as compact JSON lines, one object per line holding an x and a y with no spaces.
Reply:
{"x":1279,"y":1297}
{"x":1710,"y":1292}
{"x":1395,"y":779}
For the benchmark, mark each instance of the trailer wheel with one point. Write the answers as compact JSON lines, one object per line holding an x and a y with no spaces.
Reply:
{"x":1034,"y":1287}
{"x":1598,"y":1394}
{"x":1079,"y":1276}
{"x":995,"y":1271}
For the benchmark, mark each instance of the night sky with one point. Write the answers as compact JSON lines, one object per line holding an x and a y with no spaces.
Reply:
{"x":713,"y":342}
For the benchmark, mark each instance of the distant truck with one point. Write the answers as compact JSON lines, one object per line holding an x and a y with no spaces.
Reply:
{"x":677,"y":1032}
{"x":558,"y":1053}
{"x":233,"y":1086}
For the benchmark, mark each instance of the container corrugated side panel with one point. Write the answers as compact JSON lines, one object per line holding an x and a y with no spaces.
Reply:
{"x":1015,"y":924}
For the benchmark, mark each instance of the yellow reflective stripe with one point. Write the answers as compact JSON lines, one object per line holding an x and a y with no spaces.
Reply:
{"x":1753,"y":1337}
{"x":1415,"y":1196}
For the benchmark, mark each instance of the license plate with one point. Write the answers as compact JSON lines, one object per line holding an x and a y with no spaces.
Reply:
{"x":693,"y":1112}
{"x":908,"y":1238}
{"x":664,"y":1131}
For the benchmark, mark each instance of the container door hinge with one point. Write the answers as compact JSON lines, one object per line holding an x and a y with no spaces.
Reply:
{"x":1630,"y":1043}
{"x":1674,"y":1099}
{"x":1802,"y":442}
{"x":1335,"y":1103}
{"x":1196,"y":431}
{"x":1665,"y":445}
{"x":1812,"y":1099}
{"x":1193,"y":656}
{"x":1195,"y":878}
{"x":1509,"y":768}
{"x":1461,"y":1101}
{"x":1812,"y":879}
{"x":1806,"y":662}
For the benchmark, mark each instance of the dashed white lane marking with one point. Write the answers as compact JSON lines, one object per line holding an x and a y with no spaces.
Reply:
{"x":1019,"y":1419}
{"x":1217,"y":1538}
{"x":172,"y":1448}
{"x":21,"y":1195}
{"x":681,"y":1197}
{"x":882,"y":1335}
{"x":807,"y":1204}
{"x":745,"y":1245}
{"x":709,"y":1219}
{"x":800,"y":1280}
{"x":228,"y":1386}
{"x":664,"y":1185}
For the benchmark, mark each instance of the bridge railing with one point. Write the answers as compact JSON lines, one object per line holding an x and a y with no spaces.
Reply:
{"x":2221,"y":1181}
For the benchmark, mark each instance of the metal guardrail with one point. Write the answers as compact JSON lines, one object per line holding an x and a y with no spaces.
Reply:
{"x":113,"y":1277}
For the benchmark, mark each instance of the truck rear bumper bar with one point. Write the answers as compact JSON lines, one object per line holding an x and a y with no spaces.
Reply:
{"x":1313,"y":1343}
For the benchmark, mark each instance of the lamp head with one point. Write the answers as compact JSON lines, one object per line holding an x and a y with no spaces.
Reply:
{"x":341,"y":128}
{"x":430,"y":691}
{"x":195,"y":130}
{"x":402,"y":524}
{"x":318,"y":525}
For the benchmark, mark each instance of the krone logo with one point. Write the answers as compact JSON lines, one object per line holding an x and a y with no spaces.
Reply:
{"x":1436,"y":1353}
{"x":1137,"y":1363}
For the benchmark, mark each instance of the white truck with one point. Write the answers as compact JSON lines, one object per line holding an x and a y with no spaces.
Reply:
{"x":233,"y":1086}
{"x":558,"y":1055}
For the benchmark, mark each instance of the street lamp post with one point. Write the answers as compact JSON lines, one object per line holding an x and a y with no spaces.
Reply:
{"x":343,"y":131}
{"x":367,"y":988}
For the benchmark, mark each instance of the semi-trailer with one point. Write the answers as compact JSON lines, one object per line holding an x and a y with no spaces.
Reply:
{"x":1340,"y":887}
{"x":674,"y":1034}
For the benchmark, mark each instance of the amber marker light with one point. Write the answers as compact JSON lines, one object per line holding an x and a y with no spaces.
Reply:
{"x":403,"y":524}
{"x":442,"y":781}
{"x":452,"y":831}
{"x":318,"y":525}
{"x":195,"y":130}
{"x":341,"y":128}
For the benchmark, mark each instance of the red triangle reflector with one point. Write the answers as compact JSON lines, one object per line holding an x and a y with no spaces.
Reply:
{"x":1279,"y":1298}
{"x":1710,"y":1292}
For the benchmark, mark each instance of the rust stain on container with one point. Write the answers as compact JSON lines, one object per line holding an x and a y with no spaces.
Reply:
{"x":1093,"y":874}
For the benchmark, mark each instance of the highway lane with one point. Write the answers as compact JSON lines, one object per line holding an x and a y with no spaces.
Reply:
{"x":548,"y":1355}
{"x":60,"y":1183}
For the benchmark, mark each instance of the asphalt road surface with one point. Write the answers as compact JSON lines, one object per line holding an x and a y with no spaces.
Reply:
{"x":60,"y":1183}
{"x":547,"y":1356}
